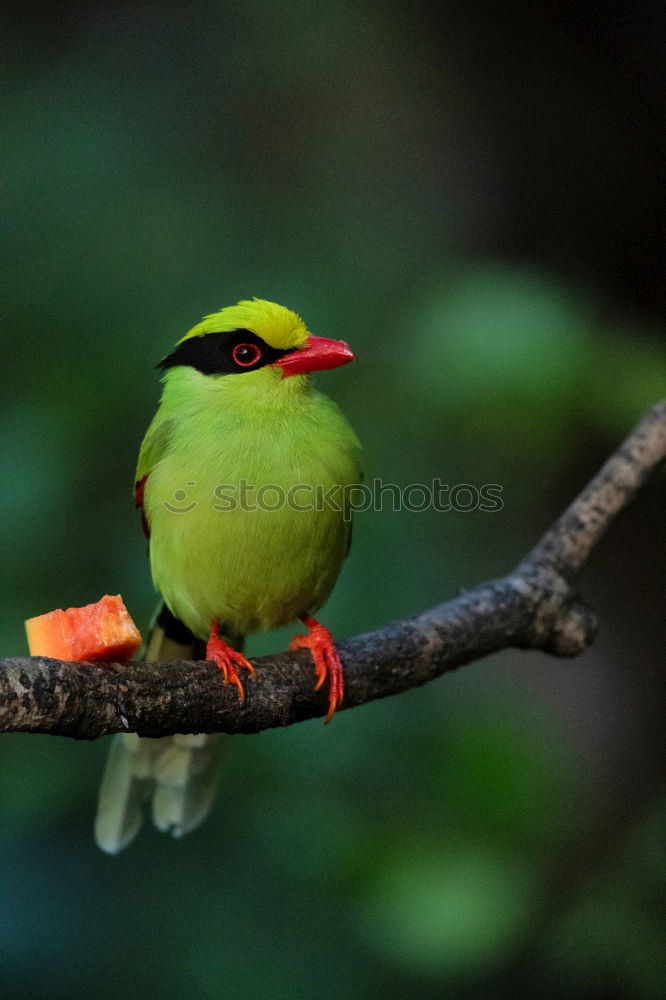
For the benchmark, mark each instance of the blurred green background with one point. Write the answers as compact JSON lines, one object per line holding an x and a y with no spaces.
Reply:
{"x":469,"y":195}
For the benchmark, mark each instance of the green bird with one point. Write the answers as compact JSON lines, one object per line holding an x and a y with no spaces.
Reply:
{"x":243,"y":482}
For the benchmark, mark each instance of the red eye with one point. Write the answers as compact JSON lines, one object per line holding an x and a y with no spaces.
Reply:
{"x":246,"y":355}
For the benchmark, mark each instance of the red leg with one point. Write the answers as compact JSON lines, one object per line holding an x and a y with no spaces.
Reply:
{"x":326,"y":661}
{"x":227,"y":659}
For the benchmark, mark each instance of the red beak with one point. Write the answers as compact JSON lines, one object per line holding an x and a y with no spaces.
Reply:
{"x":316,"y":355}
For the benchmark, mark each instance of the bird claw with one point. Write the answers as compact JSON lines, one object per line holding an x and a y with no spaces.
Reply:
{"x":227,"y":659}
{"x":326,"y":661}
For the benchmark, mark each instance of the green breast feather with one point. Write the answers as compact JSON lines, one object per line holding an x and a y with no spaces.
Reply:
{"x":227,"y":498}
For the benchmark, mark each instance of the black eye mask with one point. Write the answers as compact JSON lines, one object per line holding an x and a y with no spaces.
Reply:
{"x":223,"y":353}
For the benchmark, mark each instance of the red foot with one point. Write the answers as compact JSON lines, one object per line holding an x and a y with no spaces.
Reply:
{"x":326,"y":661}
{"x":227,"y":659}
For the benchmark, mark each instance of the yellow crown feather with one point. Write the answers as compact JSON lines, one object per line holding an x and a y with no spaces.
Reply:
{"x":278,"y":326}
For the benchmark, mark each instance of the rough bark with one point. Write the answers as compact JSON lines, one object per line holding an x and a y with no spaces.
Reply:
{"x":535,"y":607}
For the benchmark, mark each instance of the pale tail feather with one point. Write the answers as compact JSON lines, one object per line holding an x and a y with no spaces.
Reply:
{"x":180,"y":772}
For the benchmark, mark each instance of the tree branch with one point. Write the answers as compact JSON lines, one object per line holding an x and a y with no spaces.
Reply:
{"x":534,"y":607}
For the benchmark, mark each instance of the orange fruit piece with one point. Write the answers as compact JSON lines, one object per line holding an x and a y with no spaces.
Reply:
{"x":101,"y":631}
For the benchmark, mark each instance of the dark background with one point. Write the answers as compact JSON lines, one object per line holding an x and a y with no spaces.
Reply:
{"x":470,"y":195}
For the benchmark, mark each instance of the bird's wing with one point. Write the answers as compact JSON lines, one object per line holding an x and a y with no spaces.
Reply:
{"x":152,"y":450}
